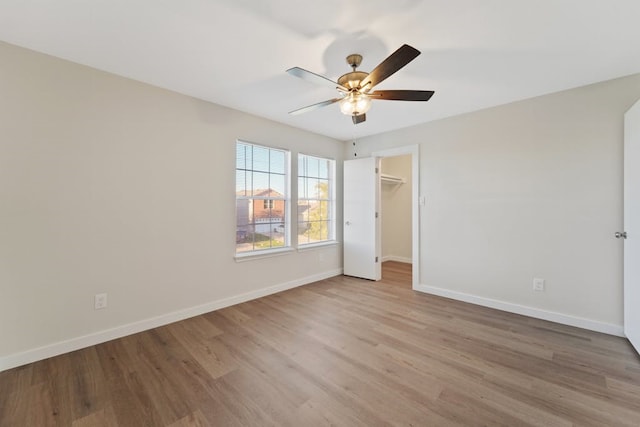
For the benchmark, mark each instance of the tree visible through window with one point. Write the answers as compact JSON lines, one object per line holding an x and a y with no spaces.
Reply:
{"x":262,"y":200}
{"x":315,"y":199}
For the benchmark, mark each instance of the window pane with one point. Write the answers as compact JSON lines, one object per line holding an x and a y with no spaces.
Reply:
{"x":324,"y":230}
{"x":302,"y":165}
{"x":303,"y":210}
{"x":302,"y":187}
{"x":244,"y":238}
{"x":277,"y":186}
{"x":323,"y":170}
{"x":314,"y":232}
{"x":277,"y":210}
{"x":260,"y":184}
{"x":312,"y":164}
{"x":312,"y":188}
{"x":324,"y":210}
{"x":244,"y":156}
{"x":322,"y":189}
{"x":277,"y":162}
{"x":241,"y":156}
{"x":244,"y":213}
{"x":277,"y":238}
{"x":269,"y":235}
{"x":249,"y":180}
{"x":241,"y":183}
{"x":260,"y":158}
{"x":303,"y":232}
{"x":268,"y":217}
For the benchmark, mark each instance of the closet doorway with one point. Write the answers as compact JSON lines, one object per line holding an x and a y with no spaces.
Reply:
{"x":399,"y":206}
{"x":395,"y":206}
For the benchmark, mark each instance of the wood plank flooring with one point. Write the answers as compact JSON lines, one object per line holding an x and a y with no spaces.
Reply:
{"x":343,"y":352}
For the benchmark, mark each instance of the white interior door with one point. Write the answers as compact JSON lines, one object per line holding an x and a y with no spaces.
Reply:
{"x":361,"y":222}
{"x":632,"y":225}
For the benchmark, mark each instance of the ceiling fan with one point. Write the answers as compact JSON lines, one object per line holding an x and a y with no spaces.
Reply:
{"x":355,"y":87}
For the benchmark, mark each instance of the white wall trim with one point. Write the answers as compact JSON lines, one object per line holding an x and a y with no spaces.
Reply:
{"x":397,"y":259}
{"x":565,"y":319}
{"x":55,"y":349}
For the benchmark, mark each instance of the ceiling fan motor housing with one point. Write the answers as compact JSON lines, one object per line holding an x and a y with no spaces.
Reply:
{"x":352,"y":80}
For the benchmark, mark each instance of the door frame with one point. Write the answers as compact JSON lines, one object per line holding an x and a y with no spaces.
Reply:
{"x":414,"y":150}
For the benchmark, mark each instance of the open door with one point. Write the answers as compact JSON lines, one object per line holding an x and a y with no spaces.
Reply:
{"x":631,"y":233}
{"x":361,"y":222}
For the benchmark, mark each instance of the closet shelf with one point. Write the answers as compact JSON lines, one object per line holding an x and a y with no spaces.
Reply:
{"x":391,"y":179}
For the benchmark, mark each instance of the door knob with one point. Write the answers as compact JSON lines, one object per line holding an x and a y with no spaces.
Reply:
{"x":621,"y":234}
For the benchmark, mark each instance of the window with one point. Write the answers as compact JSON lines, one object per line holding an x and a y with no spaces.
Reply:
{"x":262,"y":199}
{"x":316,"y":200}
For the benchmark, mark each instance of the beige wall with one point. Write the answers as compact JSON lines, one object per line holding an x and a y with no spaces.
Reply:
{"x":529,"y":189}
{"x":396,"y":210}
{"x":110,"y":185}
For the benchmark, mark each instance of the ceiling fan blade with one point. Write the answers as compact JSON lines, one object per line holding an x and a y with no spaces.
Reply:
{"x":359,"y":118}
{"x":402,"y":95}
{"x":314,"y":106}
{"x":315,"y":78}
{"x":393,"y":63}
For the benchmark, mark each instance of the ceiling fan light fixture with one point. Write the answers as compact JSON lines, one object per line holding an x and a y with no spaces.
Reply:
{"x":355,"y":104}
{"x":356,"y":87}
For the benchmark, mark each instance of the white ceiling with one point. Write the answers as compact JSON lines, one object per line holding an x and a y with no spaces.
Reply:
{"x":475,"y":54}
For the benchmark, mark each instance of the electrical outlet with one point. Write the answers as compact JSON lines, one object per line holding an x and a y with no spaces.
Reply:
{"x":538,"y":284}
{"x":100,"y":301}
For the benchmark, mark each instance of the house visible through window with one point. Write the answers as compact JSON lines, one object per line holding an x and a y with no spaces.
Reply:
{"x":262,"y":200}
{"x":316,"y":200}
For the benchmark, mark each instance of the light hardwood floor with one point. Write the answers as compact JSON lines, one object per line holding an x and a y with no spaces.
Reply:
{"x":344,"y":352}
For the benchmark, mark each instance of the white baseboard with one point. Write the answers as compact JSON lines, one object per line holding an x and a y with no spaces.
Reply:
{"x":397,"y":259}
{"x":565,"y":319}
{"x":55,"y":349}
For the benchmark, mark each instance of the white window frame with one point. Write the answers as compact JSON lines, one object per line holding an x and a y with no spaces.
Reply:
{"x":331,"y":223}
{"x":255,"y":253}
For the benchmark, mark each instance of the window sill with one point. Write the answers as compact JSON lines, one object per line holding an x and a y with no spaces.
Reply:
{"x":268,"y":253}
{"x":312,"y":246}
